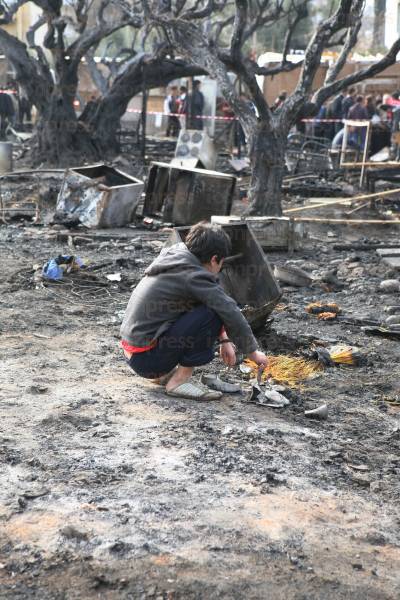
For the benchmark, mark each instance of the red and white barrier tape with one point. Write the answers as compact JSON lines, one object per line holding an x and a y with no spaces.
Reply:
{"x":154,"y":112}
{"x":322,"y":120}
{"x":216,"y":118}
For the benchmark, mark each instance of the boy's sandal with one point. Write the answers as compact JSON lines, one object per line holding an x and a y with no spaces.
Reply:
{"x":194,"y":391}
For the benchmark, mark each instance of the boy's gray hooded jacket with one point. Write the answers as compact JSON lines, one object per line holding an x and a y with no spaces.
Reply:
{"x":175,"y":283}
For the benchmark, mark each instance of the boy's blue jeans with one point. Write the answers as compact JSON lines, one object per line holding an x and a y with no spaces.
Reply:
{"x":189,"y":342}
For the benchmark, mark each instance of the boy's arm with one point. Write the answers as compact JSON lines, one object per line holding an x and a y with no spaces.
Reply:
{"x":227,"y":349}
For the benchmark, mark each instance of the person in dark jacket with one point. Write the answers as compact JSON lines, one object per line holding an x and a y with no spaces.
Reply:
{"x":358,"y":111}
{"x":178,"y":312}
{"x":370,"y":105}
{"x":334,"y":110}
{"x":171,"y":106}
{"x":196,"y":106}
{"x":24,"y":108}
{"x":7,"y":112}
{"x":348,"y":102}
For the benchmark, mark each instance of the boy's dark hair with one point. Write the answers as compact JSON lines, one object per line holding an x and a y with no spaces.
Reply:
{"x":205,"y":240}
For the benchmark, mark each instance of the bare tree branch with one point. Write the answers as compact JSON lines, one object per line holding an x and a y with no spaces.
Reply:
{"x":265,"y":14}
{"x":301,"y":13}
{"x":350,"y":41}
{"x":217,"y":27}
{"x":7,"y":11}
{"x":333,"y":88}
{"x":285,"y":67}
{"x":199,"y":13}
{"x":30,"y":38}
{"x":323,"y":33}
{"x":239,"y":24}
{"x":92,"y":37}
{"x":52,"y":7}
{"x":97,"y":76}
{"x":179,"y":6}
{"x":37,"y":86}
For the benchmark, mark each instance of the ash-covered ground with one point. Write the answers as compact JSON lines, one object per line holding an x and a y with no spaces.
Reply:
{"x":110,"y":489}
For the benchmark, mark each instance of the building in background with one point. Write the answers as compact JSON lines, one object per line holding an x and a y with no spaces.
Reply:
{"x":392,"y":21}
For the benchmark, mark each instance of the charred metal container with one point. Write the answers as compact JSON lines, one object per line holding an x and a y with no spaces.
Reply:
{"x":6,"y":157}
{"x":99,"y":196}
{"x":246,"y":275}
{"x":184,"y":196}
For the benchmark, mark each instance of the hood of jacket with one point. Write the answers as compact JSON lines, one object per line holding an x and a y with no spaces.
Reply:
{"x":173,"y":258}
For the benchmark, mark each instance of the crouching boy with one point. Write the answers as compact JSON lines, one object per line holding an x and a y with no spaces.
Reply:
{"x":179,"y":311}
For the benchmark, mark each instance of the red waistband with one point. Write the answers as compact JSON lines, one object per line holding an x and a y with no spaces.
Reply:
{"x":136,"y":349}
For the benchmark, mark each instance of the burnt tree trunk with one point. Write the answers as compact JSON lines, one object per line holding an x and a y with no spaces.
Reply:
{"x":267,"y":158}
{"x":104,"y":122}
{"x":59,"y":138}
{"x":62,"y":139}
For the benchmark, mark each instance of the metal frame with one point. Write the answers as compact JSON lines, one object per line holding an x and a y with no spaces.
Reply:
{"x":347,"y":124}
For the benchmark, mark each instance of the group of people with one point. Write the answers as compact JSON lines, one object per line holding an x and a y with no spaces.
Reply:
{"x":382,"y":111}
{"x":184,"y":108}
{"x":348,"y":104}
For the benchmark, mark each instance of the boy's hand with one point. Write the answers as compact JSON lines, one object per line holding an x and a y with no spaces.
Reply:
{"x":228,"y":354}
{"x":258,"y":357}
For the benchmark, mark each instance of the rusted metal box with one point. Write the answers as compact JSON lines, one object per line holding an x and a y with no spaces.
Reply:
{"x":184,"y":196}
{"x":246,"y":276}
{"x":99,"y":196}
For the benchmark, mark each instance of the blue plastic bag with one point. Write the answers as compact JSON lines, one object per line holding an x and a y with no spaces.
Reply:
{"x":53,"y":270}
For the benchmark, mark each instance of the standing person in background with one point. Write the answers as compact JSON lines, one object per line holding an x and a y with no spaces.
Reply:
{"x":334,"y":110}
{"x":183,"y":105}
{"x":171,"y":105}
{"x":308,"y":111}
{"x":196,"y":106}
{"x":24,"y":108}
{"x":323,"y":130}
{"x":348,"y":102}
{"x":370,"y":106}
{"x":358,"y":111}
{"x":393,"y":104}
{"x":7,"y":112}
